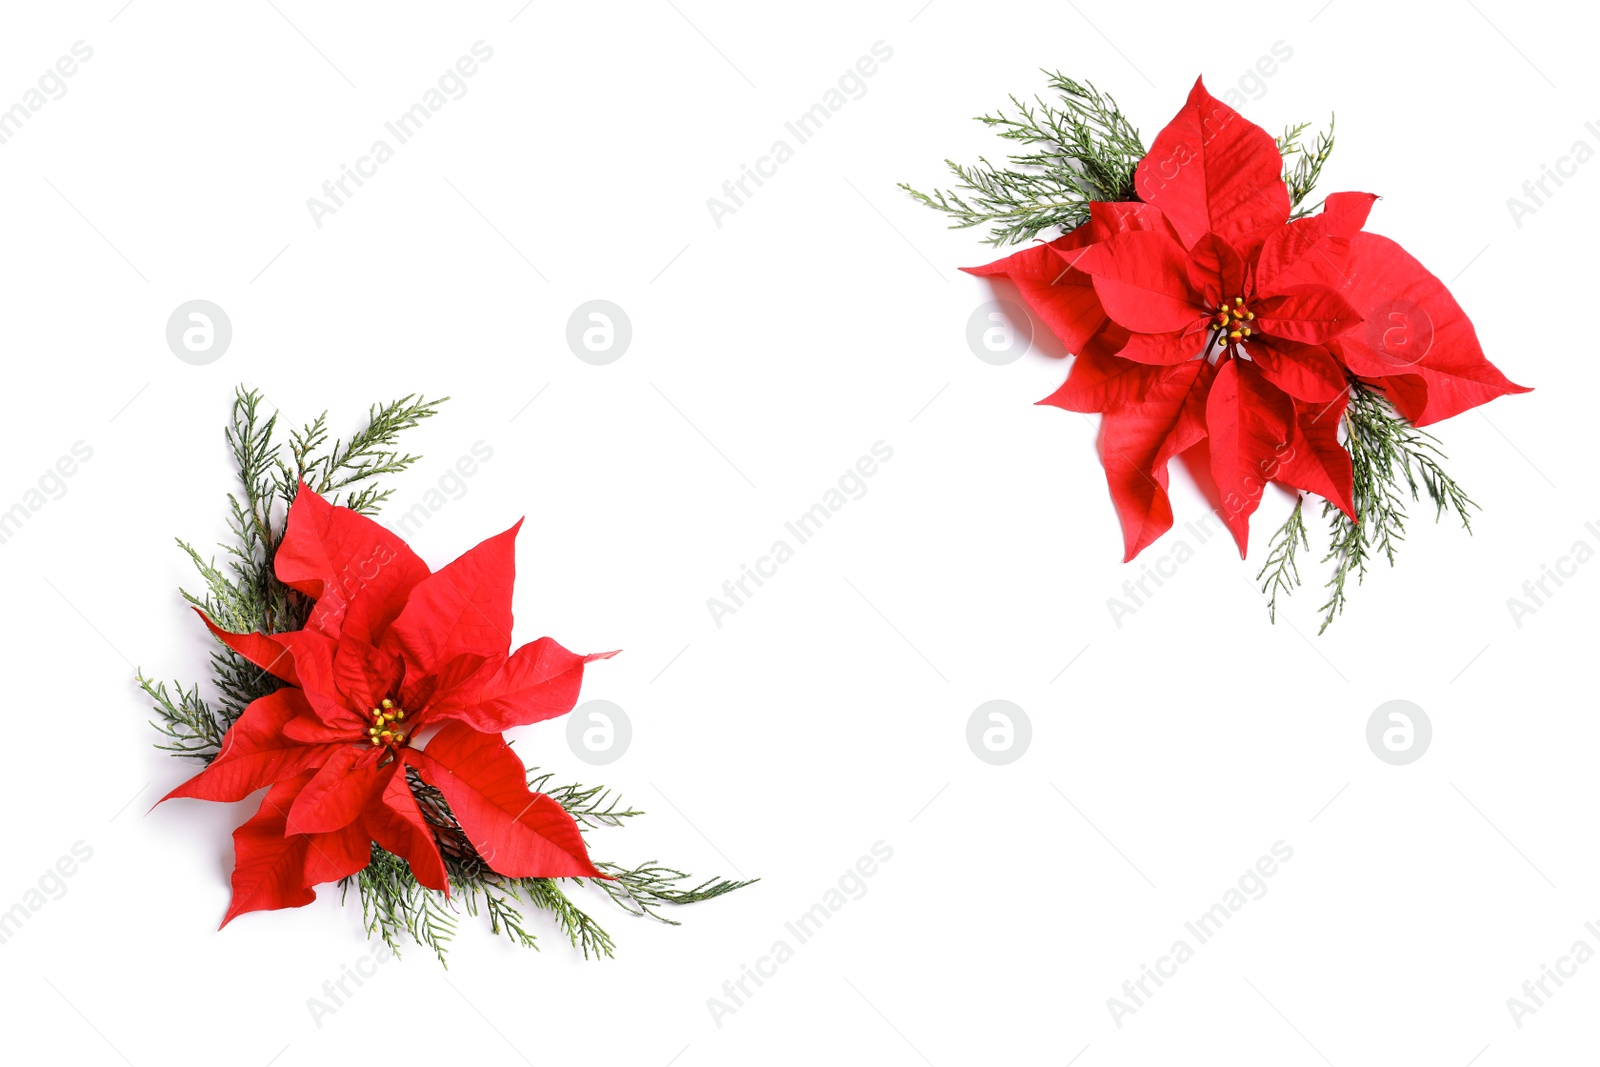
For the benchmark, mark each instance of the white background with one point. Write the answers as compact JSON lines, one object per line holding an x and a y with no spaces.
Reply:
{"x":829,"y":712}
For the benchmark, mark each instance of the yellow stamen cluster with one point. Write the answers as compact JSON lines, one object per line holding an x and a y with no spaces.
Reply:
{"x":1231,"y":319}
{"x":385,"y":729}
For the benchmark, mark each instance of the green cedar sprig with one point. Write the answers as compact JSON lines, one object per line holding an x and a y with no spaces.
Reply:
{"x":1302,"y":164}
{"x":1083,"y":149}
{"x":1386,"y":453}
{"x":1281,"y":568}
{"x":1390,"y":460}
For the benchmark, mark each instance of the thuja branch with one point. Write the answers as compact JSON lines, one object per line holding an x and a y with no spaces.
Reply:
{"x":1302,"y":164}
{"x":192,"y":729}
{"x":1082,"y":149}
{"x":367,"y":455}
{"x":1281,"y":572}
{"x":643,"y":889}
{"x":1390,"y":459}
{"x":590,"y":806}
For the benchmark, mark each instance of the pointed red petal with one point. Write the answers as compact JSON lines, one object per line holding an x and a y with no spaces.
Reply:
{"x":1416,"y":327}
{"x":1101,"y":382}
{"x":1248,"y":420}
{"x":358,"y":572}
{"x":1166,"y":349}
{"x":264,"y":651}
{"x":396,"y":823}
{"x":336,"y":855}
{"x":1347,"y":212}
{"x":540,"y":681}
{"x":1316,"y":461}
{"x":1107,"y":218}
{"x":1310,"y":314}
{"x":464,"y":608}
{"x":1216,"y":271}
{"x":519,"y":833}
{"x":452,"y":683}
{"x":302,"y":657}
{"x":1353,"y":351}
{"x":1063,"y":298}
{"x":267,"y":865}
{"x":1296,"y":255}
{"x":1407,"y":392}
{"x":313,"y":654}
{"x":1137,"y":442}
{"x":312,"y":728}
{"x":338,"y":792}
{"x":1305,"y":372}
{"x":365,"y":675}
{"x":1142,"y":279}
{"x":255,"y":752}
{"x":1212,"y":171}
{"x":1452,"y":390}
{"x":1314,"y":250}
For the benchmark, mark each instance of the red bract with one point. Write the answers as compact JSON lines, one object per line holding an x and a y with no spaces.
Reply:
{"x":1204,"y":311}
{"x":389,"y":650}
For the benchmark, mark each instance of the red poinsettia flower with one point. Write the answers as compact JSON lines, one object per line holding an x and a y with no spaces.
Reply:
{"x":390,"y":651}
{"x":1204,"y":311}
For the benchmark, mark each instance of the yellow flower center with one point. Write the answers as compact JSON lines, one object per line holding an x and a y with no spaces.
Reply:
{"x":386,"y":728}
{"x":1232,"y":322}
